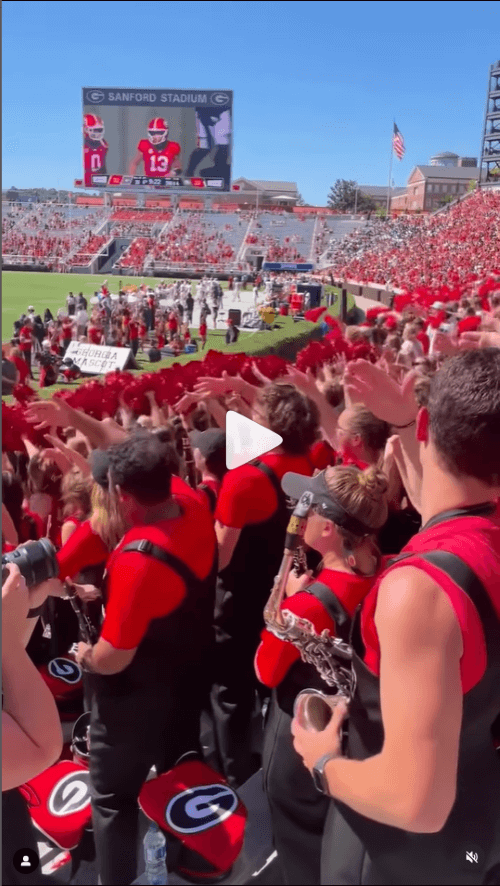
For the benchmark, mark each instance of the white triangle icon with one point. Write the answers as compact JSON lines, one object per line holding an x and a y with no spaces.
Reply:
{"x":246,"y":440}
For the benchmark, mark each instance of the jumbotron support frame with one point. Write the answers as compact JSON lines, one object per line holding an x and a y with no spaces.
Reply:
{"x":490,"y":149}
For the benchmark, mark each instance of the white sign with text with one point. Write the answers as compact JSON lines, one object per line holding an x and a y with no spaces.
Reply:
{"x":97,"y":359}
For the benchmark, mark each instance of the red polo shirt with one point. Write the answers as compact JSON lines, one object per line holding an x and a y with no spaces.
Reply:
{"x":247,"y":496}
{"x":275,"y":657}
{"x":141,"y":588}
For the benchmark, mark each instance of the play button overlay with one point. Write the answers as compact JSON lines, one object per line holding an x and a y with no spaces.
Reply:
{"x":246,"y":440}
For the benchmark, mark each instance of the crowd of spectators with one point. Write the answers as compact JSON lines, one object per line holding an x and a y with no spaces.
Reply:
{"x":348,"y":406}
{"x":89,"y":249}
{"x":192,"y":242}
{"x":451,"y":248}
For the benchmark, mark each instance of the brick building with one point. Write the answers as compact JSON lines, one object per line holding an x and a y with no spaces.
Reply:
{"x":429,"y":186}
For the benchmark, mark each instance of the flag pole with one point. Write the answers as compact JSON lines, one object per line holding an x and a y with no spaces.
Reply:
{"x":390,"y":178}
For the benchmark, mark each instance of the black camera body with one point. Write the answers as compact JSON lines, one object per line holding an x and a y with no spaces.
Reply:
{"x":36,"y":562}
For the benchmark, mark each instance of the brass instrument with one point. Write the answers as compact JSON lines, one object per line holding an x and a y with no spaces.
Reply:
{"x":330,"y":656}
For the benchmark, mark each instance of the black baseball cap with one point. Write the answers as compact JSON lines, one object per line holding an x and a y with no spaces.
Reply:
{"x":209,"y":442}
{"x":297,"y":485}
{"x":99,"y":463}
{"x":212,"y":445}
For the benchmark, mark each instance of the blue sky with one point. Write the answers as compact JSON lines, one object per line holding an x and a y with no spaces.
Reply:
{"x":316,"y":84}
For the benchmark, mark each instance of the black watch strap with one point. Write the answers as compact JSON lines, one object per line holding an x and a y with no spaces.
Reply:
{"x":318,"y":773}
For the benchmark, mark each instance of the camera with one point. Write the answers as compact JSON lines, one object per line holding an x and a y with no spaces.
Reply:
{"x":36,"y":562}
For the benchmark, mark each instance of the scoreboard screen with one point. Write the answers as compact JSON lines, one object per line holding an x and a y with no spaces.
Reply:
{"x":160,"y":139}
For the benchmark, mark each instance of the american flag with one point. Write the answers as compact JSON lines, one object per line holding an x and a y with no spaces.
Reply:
{"x":398,"y":143}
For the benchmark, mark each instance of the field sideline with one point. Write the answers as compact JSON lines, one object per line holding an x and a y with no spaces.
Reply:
{"x":21,"y":289}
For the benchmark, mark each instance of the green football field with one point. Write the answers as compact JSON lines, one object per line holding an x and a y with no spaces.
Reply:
{"x":22,"y":289}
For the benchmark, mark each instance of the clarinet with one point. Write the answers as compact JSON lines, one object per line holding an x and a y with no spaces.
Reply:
{"x":88,"y":632}
{"x":189,"y":460}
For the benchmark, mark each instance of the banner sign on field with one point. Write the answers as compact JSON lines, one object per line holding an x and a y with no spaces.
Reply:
{"x":286,"y":266}
{"x":97,"y":359}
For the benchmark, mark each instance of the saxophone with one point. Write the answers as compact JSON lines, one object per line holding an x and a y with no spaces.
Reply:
{"x":330,"y":656}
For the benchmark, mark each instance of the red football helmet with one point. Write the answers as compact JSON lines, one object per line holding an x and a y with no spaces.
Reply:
{"x":157,"y":130}
{"x":93,"y":127}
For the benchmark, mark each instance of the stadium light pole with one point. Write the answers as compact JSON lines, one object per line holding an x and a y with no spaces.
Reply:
{"x":356,"y":199}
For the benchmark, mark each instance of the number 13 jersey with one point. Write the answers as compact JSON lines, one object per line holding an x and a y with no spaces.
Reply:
{"x":158,"y":160}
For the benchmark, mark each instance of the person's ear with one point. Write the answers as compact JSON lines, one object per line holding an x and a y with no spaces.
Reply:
{"x":351,"y":561}
{"x":423,"y":425}
{"x":328,"y":529}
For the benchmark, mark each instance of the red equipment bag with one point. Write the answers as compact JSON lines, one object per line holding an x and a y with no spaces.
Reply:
{"x":64,"y":678}
{"x":59,"y":803}
{"x":196,"y":806}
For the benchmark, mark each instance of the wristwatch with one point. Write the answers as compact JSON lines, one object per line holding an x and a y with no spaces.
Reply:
{"x":318,"y":773}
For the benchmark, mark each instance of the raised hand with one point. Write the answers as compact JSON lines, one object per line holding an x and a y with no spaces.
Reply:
{"x":473,"y":340}
{"x":215,"y":387}
{"x":187,"y":401}
{"x":46,"y":413}
{"x":382,"y":395}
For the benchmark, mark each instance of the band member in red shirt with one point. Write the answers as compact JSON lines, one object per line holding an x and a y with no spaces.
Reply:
{"x":160,"y":156}
{"x":26,"y":343}
{"x":421,"y":781}
{"x":346,"y":505}
{"x":203,"y":333}
{"x":66,"y":334}
{"x":95,"y":333}
{"x":251,"y":520}
{"x":143,"y":333}
{"x":133,"y":332}
{"x":173,"y":325}
{"x":155,"y":643}
{"x":20,"y":364}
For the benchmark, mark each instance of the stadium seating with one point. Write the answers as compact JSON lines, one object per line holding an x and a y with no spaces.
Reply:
{"x":283,"y":237}
{"x":447,"y":248}
{"x":47,"y":233}
{"x":200,"y":239}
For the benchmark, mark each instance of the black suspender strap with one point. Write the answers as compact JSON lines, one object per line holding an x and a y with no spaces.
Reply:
{"x":211,"y":495}
{"x":143,"y":546}
{"x":329,"y":601}
{"x":484,"y":510}
{"x":271,"y":476}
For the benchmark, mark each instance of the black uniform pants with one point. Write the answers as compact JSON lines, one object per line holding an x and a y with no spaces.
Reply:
{"x":298,"y":810}
{"x":129,"y":735}
{"x":234,"y":698}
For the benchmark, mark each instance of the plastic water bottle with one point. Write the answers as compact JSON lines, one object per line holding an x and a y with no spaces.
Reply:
{"x":155,"y":856}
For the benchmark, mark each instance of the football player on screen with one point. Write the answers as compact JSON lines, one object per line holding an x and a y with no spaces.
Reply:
{"x":94,"y":147}
{"x":160,"y":157}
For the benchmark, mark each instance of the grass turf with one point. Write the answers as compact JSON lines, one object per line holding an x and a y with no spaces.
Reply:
{"x":21,"y":289}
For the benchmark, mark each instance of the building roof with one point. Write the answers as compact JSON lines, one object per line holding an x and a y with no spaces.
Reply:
{"x":453,"y":172}
{"x":279,"y":187}
{"x":380,"y":190}
{"x":445,"y":154}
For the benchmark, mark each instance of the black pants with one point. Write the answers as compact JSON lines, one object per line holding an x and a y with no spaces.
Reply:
{"x":27,"y":359}
{"x":129,"y":734}
{"x":134,"y":344}
{"x":298,"y":810}
{"x":234,"y":699}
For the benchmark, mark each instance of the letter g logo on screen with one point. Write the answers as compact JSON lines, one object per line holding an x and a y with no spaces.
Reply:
{"x":219,"y":98}
{"x":95,"y":96}
{"x":199,"y":809}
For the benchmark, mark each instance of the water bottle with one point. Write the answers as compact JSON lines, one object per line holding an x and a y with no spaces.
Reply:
{"x":155,"y":856}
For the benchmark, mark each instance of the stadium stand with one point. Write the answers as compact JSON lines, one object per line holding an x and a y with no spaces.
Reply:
{"x":445,"y":248}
